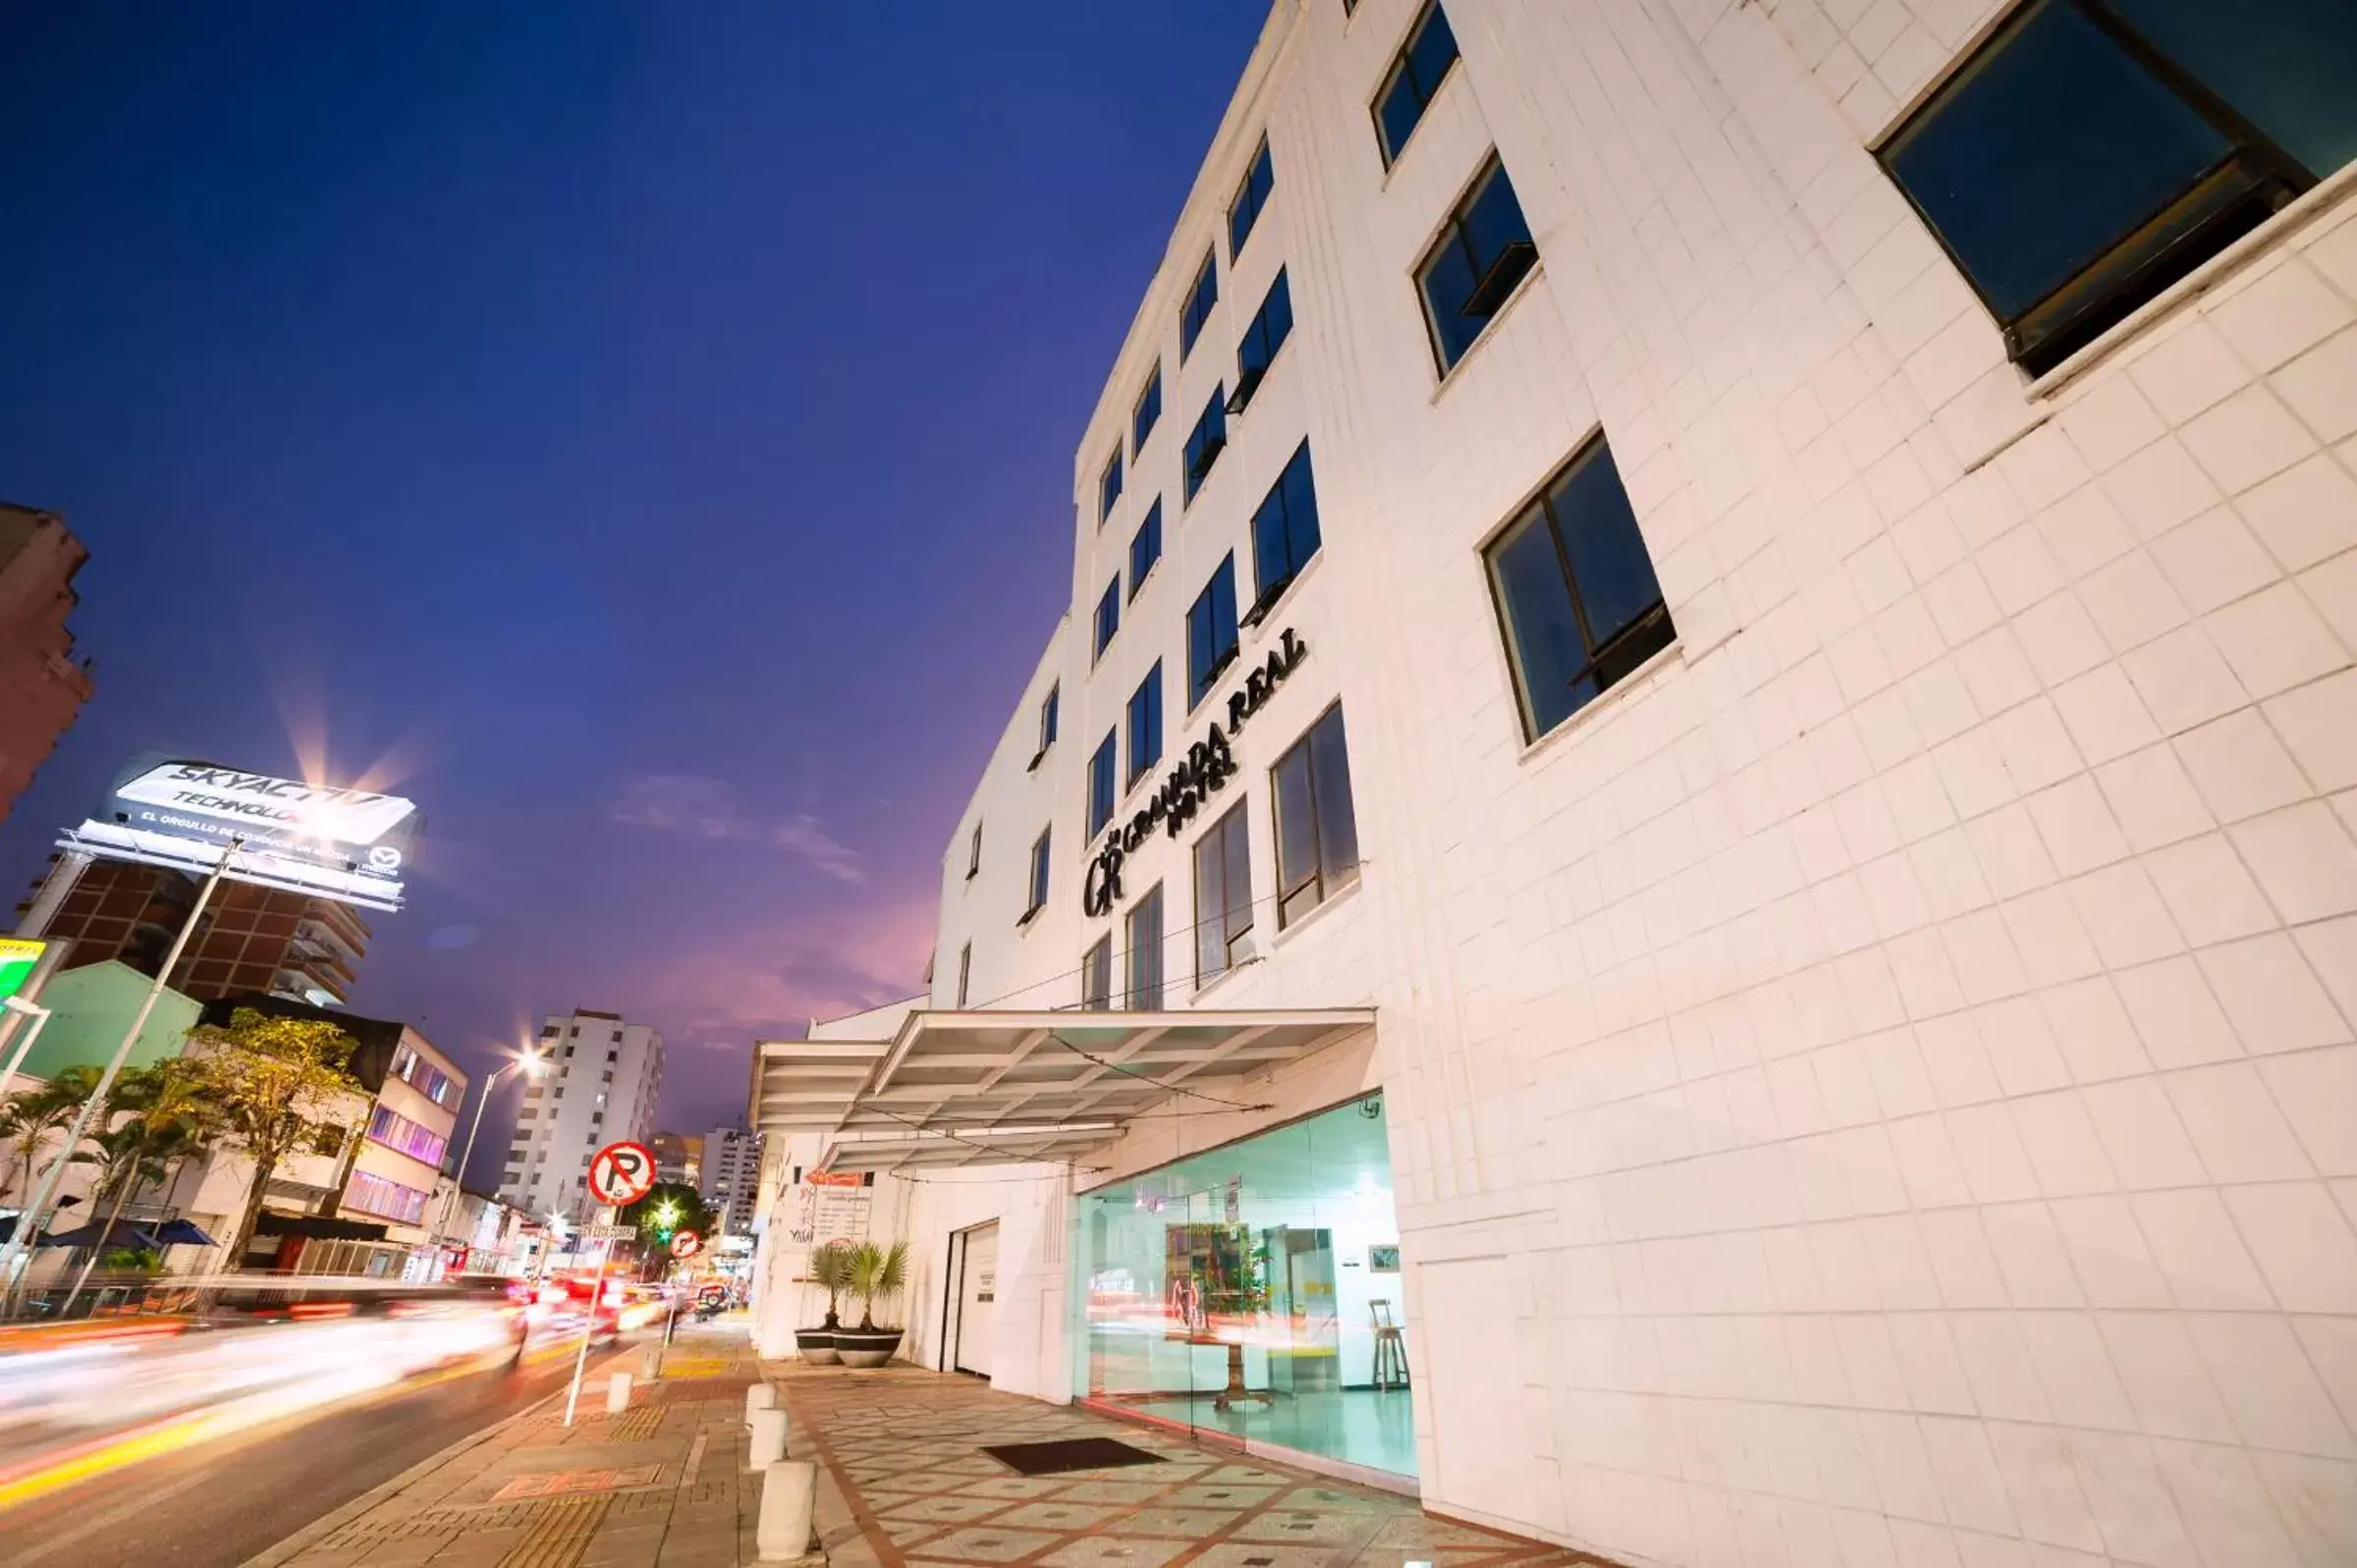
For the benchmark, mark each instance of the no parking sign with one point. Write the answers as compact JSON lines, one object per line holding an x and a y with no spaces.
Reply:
{"x":622,"y":1173}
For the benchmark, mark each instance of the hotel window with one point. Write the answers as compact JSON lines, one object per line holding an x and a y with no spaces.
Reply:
{"x":1142,"y":983}
{"x":1145,"y":724}
{"x":1206,"y":441}
{"x":965,"y":971}
{"x":1096,"y":976}
{"x":1145,"y":546}
{"x":1317,"y":833}
{"x":2187,"y":124}
{"x":1211,"y":632}
{"x":1285,"y":533}
{"x":1415,"y":77}
{"x":1148,"y":409}
{"x":1109,"y":618}
{"x":973,"y":853}
{"x":1039,"y":876}
{"x":1047,"y":724}
{"x":397,"y":1132}
{"x":1109,"y":487}
{"x":1483,"y":251}
{"x":372,"y":1194}
{"x":1251,"y":198}
{"x":1575,"y":591}
{"x":1222,"y":898}
{"x":1100,"y":786}
{"x":1270,"y":325}
{"x":1197,"y":311}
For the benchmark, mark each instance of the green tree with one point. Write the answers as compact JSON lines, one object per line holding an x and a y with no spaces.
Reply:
{"x":668,"y":1208}
{"x":155,"y":1116}
{"x":32,"y":1114}
{"x":877,"y":1273}
{"x":281,"y":1087}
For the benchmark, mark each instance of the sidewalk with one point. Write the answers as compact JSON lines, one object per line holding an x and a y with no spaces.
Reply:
{"x":661,"y":1486}
{"x":911,"y":1488}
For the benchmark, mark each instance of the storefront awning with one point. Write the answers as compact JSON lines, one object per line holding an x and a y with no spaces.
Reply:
{"x":999,"y":1087}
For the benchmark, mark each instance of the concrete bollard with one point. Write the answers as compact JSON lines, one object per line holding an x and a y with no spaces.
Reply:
{"x":650,"y":1361}
{"x":617,"y":1393}
{"x":789,"y":1489}
{"x":760,"y":1396}
{"x":768,"y":1444}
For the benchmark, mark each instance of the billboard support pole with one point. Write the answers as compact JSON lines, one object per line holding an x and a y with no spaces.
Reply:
{"x":28,"y":1223}
{"x":60,"y":882}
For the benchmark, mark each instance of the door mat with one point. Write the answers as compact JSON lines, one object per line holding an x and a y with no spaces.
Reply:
{"x":1072,"y":1453}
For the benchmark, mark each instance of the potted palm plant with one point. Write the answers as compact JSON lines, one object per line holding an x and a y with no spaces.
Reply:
{"x":878,"y":1273}
{"x":831,"y":1270}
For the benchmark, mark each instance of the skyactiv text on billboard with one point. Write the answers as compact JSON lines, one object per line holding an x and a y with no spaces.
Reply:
{"x":345,"y":830}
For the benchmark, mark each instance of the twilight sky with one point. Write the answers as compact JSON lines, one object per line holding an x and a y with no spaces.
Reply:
{"x":642,"y":433}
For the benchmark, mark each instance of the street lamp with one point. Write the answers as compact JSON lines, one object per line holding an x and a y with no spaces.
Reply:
{"x":529,"y":1062}
{"x":16,"y":1059}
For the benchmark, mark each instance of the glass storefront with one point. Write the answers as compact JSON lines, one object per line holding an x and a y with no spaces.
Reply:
{"x":1256,"y":1290}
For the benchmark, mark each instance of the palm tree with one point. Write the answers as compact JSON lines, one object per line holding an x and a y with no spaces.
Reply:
{"x":831,"y":1269}
{"x":156,"y":1117}
{"x":877,"y":1272}
{"x":32,"y":1114}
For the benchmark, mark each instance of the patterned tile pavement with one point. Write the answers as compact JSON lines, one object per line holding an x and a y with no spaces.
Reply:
{"x":912,"y":1489}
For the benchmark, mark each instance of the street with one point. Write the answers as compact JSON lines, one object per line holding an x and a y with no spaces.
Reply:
{"x":217,"y":1505}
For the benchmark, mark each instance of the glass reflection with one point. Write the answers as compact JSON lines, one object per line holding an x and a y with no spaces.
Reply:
{"x":1256,"y":1290}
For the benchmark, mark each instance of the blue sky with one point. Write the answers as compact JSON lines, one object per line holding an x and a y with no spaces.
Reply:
{"x":642,"y":432}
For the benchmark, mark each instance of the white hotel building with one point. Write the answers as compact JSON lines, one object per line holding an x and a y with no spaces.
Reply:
{"x":1816,"y":987}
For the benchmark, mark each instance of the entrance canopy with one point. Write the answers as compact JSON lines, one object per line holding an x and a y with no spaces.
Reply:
{"x":1000,"y":1088}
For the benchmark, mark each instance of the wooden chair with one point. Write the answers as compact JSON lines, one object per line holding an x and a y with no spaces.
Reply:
{"x":1391,"y":1347}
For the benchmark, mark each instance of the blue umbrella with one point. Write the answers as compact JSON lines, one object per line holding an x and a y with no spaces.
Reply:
{"x":181,"y":1233}
{"x":119,"y":1233}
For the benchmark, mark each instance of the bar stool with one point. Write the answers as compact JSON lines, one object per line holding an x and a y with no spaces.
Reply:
{"x":1391,"y":1347}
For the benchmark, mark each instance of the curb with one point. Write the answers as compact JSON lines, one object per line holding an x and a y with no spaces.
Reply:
{"x":318,"y":1530}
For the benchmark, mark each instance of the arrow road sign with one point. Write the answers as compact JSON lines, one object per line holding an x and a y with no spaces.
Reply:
{"x":622,"y":1173}
{"x":686,"y":1244}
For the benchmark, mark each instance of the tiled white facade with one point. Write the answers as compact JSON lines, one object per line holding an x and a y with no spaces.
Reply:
{"x":1877,"y":1087}
{"x":602,"y":1079}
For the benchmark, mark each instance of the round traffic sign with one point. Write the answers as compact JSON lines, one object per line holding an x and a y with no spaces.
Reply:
{"x":686,"y":1244}
{"x":622,"y":1173}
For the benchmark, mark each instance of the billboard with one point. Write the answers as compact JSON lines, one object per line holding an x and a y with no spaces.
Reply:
{"x":18,"y":956}
{"x":353,"y":845}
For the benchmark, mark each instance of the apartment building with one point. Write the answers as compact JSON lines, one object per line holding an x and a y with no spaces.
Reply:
{"x":732,"y":1176}
{"x":680,"y":1157}
{"x":603,"y":1078}
{"x":43,"y":680}
{"x":1702,"y":779}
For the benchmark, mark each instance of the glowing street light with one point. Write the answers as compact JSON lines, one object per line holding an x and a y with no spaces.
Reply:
{"x":528,"y":1061}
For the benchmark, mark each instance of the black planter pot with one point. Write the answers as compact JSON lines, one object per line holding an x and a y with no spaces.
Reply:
{"x":816,"y":1345}
{"x":866,"y":1348}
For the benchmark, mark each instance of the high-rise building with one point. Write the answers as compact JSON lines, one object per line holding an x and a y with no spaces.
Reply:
{"x":732,"y":1176}
{"x":680,"y":1157}
{"x":600,"y":1087}
{"x":43,"y":684}
{"x":1699,"y":782}
{"x":249,"y":938}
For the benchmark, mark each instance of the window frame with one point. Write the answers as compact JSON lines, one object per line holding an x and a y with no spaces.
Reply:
{"x":1261,"y":163}
{"x":1491,"y":547}
{"x":1190,"y":323}
{"x":1398,"y":69}
{"x":1452,"y":233}
{"x":1108,"y":752}
{"x":1109,"y":486}
{"x":1132,"y":987}
{"x":1248,"y":377}
{"x":1137,"y":769}
{"x":1106,"y":623}
{"x":1042,"y":874}
{"x":2115,"y":284}
{"x":1142,"y":420}
{"x":973,"y":853}
{"x":965,"y":972}
{"x":1217,"y":835}
{"x":1346,"y":878}
{"x":1266,"y":593}
{"x":1150,"y":522}
{"x":1096,"y":976}
{"x":1047,"y":724}
{"x":1219,"y":666}
{"x":1195,"y":471}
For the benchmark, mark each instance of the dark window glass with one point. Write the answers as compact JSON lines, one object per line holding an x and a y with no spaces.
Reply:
{"x":973,"y":852}
{"x":1039,"y":874}
{"x":1145,"y":724}
{"x":1285,"y":531}
{"x":1206,"y":441}
{"x":1109,"y":487}
{"x":1100,"y":786}
{"x":2188,"y":124}
{"x":1415,"y":76}
{"x":1223,"y":897}
{"x":1148,"y":409}
{"x":1047,"y":719}
{"x":1578,"y":592}
{"x":1197,"y":311}
{"x":1109,"y":617}
{"x":1145,"y":546}
{"x":1211,"y":632}
{"x":965,"y":971}
{"x":1270,"y":325}
{"x":1251,"y":198}
{"x":1143,"y":981}
{"x":1096,"y":976}
{"x":1483,"y":251}
{"x":1317,"y":833}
